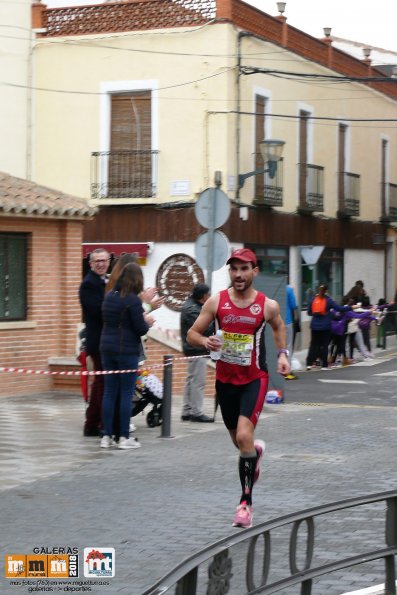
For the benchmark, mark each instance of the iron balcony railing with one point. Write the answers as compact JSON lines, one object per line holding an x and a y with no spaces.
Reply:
{"x":391,"y":212}
{"x":269,"y":187}
{"x":123,"y":174}
{"x":243,"y":563}
{"x":311,"y":188}
{"x":349,"y":194}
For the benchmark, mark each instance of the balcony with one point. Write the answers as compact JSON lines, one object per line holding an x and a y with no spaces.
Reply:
{"x":268,"y":189}
{"x":390,"y":213}
{"x":348,"y":195}
{"x":311,"y":188}
{"x":123,"y":174}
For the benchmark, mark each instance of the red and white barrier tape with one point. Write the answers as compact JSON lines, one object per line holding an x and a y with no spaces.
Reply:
{"x":94,"y":372}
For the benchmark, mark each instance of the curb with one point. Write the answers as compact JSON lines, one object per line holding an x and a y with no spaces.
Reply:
{"x":377,"y":590}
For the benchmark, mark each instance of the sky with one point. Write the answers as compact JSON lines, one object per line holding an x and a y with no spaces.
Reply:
{"x":368,"y":21}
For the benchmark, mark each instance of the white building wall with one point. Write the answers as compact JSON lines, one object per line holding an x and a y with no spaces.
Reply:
{"x":367,"y":266}
{"x":15,"y":95}
{"x":167,"y":319}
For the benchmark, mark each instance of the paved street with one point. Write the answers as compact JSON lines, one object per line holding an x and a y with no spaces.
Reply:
{"x":371,"y":382}
{"x":334,"y":438}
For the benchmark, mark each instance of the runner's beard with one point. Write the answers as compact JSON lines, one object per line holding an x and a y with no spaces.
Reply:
{"x":247,"y":285}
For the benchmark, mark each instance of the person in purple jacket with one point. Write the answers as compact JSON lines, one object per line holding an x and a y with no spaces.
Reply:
{"x":356,"y":339}
{"x":337,"y":351}
{"x":340,"y":325}
{"x":365,"y":323}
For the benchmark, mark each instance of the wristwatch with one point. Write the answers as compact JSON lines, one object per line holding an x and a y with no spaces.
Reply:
{"x":280,"y":351}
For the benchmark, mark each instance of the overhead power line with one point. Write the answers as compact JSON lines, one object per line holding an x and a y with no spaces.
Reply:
{"x":321,"y":77}
{"x":210,"y":76}
{"x":310,"y":117}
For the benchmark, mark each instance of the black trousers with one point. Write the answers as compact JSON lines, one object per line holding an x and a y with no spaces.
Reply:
{"x":319,"y":347}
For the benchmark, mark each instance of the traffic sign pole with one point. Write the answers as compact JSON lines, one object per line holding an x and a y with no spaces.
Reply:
{"x":212,"y":210}
{"x":211,"y":233}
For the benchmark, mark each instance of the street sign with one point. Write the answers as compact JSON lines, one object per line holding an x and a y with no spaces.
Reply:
{"x":220,"y":249}
{"x":212,"y":208}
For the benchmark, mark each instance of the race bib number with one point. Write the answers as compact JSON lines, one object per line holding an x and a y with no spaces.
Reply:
{"x":237,"y":348}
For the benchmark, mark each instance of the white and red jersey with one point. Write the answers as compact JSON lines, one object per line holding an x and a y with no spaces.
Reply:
{"x":243,"y":356}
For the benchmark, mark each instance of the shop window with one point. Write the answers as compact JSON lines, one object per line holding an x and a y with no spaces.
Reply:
{"x":328,"y":269}
{"x":272,"y":261}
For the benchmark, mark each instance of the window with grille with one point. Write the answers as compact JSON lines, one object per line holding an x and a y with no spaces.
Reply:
{"x":13,"y":283}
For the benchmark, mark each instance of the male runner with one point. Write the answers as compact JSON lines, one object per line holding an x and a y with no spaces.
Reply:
{"x":241,"y":373}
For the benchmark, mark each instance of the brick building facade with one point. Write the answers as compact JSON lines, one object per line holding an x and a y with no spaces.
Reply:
{"x":49,"y":225}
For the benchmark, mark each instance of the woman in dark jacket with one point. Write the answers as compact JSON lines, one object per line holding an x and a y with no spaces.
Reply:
{"x":124,"y":323}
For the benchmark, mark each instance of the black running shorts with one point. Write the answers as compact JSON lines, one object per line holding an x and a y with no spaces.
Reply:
{"x":243,"y":399}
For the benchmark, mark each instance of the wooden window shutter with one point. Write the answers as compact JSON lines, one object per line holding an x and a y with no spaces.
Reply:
{"x":260,"y":108}
{"x":130,"y":160}
{"x":341,"y":164}
{"x":13,"y":276}
{"x":131,"y":128}
{"x":383,"y":162}
{"x":303,"y":116}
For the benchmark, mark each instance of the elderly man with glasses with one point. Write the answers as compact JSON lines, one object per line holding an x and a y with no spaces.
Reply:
{"x":91,"y":293}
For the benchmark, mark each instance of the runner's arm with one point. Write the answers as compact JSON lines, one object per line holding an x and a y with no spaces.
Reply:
{"x":195,"y":335}
{"x":273,"y":317}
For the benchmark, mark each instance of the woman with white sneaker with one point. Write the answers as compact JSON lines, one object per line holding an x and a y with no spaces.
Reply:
{"x":124,"y":323}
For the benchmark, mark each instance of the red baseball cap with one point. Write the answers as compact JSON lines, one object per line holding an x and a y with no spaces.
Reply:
{"x":244,"y":254}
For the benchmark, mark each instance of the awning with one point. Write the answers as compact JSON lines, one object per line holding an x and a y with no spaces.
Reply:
{"x":117,"y":248}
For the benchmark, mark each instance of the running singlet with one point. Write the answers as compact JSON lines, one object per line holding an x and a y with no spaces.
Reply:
{"x":243,"y":356}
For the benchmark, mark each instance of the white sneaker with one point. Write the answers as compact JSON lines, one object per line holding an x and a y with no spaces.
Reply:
{"x":128,"y":443}
{"x":106,"y":442}
{"x":132,"y":427}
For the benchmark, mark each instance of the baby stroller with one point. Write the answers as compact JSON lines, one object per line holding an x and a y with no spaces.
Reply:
{"x":148,"y":390}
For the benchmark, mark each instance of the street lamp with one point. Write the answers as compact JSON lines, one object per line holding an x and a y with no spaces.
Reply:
{"x":271,"y":151}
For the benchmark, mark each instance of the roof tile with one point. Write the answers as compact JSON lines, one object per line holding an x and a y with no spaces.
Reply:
{"x":22,"y":197}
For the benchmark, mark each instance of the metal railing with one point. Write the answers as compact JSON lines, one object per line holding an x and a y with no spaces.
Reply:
{"x":241,"y":564}
{"x":388,"y":326}
{"x":349,"y":194}
{"x":392,"y":207}
{"x":269,"y":189}
{"x":123,"y":174}
{"x":311,"y":184}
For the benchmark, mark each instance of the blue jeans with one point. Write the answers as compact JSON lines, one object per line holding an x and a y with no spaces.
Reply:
{"x":115,"y":384}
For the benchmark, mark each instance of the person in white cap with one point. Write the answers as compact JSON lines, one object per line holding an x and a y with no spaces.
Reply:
{"x":242,"y":312}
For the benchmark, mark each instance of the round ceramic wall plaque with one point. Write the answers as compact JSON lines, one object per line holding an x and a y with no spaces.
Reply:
{"x":176,"y":277}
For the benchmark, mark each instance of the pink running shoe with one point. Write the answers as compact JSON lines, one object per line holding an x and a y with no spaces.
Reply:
{"x":243,"y":516}
{"x":260,"y":449}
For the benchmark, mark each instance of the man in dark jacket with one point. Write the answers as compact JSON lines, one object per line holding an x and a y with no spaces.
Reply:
{"x":91,"y":293}
{"x":195,"y":381}
{"x":357,"y":292}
